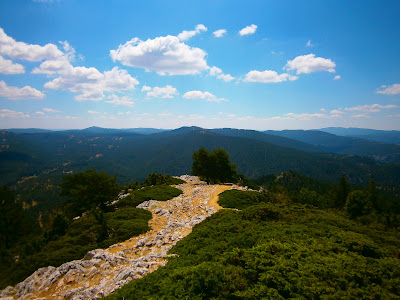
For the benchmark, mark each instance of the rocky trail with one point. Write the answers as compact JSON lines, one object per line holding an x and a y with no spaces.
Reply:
{"x":102,"y":271}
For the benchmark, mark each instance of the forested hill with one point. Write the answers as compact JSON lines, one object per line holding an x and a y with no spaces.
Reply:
{"x":343,"y":144}
{"x":133,"y":156}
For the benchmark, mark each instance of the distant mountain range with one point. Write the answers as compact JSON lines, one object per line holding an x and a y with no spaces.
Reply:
{"x":134,"y":153}
{"x":384,"y":136}
{"x":343,"y":144}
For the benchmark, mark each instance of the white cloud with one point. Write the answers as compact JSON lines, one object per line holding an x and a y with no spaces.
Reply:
{"x":360,"y":116}
{"x":164,"y":55}
{"x":51,"y":110}
{"x":8,"y":67}
{"x":21,"y":50}
{"x":146,"y":88}
{"x":215,"y":71}
{"x":185,"y":35}
{"x":40,"y":113}
{"x":69,"y":50}
{"x":336,"y":112}
{"x":219,"y":33}
{"x":203,"y":95}
{"x":248,"y":30}
{"x":15,"y":93}
{"x":88,"y":82}
{"x":92,"y":112}
{"x":267,"y":76}
{"x":124,"y":100}
{"x":307,"y":116}
{"x":370,"y":108}
{"x":160,"y":92}
{"x":393,"y":89}
{"x":226,"y":77}
{"x":337,"y":77}
{"x":6,"y":113}
{"x":309,"y":63}
{"x":71,"y":117}
{"x":309,"y":44}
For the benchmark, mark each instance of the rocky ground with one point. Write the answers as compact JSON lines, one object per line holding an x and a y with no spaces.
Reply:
{"x":102,"y":271}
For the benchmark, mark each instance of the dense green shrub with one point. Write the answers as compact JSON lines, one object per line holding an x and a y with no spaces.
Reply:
{"x":160,"y":179}
{"x":295,"y":252}
{"x":357,"y":204}
{"x":241,"y":199}
{"x":157,"y":192}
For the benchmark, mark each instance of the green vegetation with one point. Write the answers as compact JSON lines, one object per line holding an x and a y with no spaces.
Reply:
{"x":277,"y":251}
{"x":23,"y":251}
{"x":213,"y":167}
{"x":159,"y":179}
{"x":157,"y":192}
{"x":88,"y":190}
{"x":241,"y":199}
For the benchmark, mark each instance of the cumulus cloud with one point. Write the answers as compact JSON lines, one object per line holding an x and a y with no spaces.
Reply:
{"x":393,"y":89}
{"x":185,"y":35}
{"x":267,"y":76}
{"x":8,"y":67}
{"x":248,"y":30}
{"x":336,"y":112}
{"x":215,"y":71}
{"x":337,"y":77}
{"x":219,"y":33}
{"x":160,"y":92}
{"x":16,"y":93}
{"x":90,"y":83}
{"x":360,"y":116}
{"x":21,"y":50}
{"x":6,"y":113}
{"x":226,"y":77}
{"x":93,"y":112}
{"x":203,"y":95}
{"x":164,"y":55}
{"x":51,"y":110}
{"x":309,"y":63}
{"x":309,"y":116}
{"x":120,"y":100}
{"x":370,"y":108}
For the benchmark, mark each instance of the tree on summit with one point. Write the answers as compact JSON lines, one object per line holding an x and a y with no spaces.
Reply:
{"x":88,"y":190}
{"x":213,"y":167}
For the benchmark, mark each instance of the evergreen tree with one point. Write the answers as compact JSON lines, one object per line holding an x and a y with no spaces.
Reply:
{"x":213,"y":167}
{"x":342,"y":191}
{"x":89,"y":189}
{"x":372,"y":194}
{"x":357,"y":204}
{"x":60,"y":225}
{"x":13,"y":223}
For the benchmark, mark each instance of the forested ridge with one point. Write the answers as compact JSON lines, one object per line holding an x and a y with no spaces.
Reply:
{"x":332,"y":234}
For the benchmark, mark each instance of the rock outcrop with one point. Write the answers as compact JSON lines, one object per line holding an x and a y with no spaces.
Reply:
{"x":102,"y":271}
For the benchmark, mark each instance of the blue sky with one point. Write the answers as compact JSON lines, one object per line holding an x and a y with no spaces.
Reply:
{"x":165,"y":64}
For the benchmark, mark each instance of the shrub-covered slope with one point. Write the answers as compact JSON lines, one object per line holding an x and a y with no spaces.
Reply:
{"x":277,"y":251}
